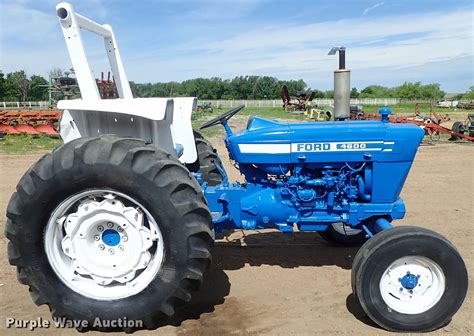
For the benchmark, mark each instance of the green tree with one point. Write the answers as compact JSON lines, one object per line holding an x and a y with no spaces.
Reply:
{"x":18,"y":85}
{"x":318,"y":94}
{"x":294,"y":86}
{"x":264,"y":88}
{"x":376,"y":91}
{"x":354,"y":93}
{"x":329,"y":94}
{"x":409,"y":91}
{"x":469,"y":94}
{"x":12,"y":92}
{"x":431,"y":91}
{"x":38,"y":88}
{"x":2,"y":85}
{"x":241,"y":87}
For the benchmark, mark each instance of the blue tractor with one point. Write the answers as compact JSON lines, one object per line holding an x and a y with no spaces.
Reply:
{"x":111,"y":227}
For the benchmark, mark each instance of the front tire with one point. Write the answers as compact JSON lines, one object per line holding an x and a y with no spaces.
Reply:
{"x":409,"y":279}
{"x":101,"y":184}
{"x":207,"y":162}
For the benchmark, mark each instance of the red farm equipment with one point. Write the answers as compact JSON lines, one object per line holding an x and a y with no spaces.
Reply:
{"x":300,"y":103}
{"x":431,"y":123}
{"x":29,"y":122}
{"x":46,"y":122}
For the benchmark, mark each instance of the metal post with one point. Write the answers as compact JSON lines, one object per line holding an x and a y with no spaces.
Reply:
{"x":342,"y":58}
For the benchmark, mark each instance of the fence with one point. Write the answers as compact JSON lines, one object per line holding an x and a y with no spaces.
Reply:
{"x":248,"y":103}
{"x":22,"y":105}
{"x":321,"y":102}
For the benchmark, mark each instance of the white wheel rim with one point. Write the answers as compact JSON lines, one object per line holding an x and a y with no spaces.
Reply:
{"x":103,"y":244}
{"x":412,"y":285}
{"x":345,"y":229}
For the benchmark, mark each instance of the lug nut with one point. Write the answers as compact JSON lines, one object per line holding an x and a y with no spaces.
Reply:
{"x":96,"y":237}
{"x":121,"y":248}
{"x":119,"y":229}
{"x":101,"y":247}
{"x":110,"y":224}
{"x":124,"y":238}
{"x":100,"y":228}
{"x":401,"y":289}
{"x":411,"y":291}
{"x":111,"y":251}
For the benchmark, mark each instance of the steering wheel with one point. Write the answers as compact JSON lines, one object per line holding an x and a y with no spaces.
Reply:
{"x":222,"y":118}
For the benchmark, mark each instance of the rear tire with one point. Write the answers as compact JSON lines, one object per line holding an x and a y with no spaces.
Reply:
{"x":169,"y":196}
{"x":207,"y":161}
{"x":409,"y":279}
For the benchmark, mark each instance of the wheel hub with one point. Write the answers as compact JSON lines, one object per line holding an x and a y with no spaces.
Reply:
{"x":107,"y":241}
{"x":111,"y":237}
{"x":406,"y":285}
{"x":409,"y":281}
{"x":104,"y":244}
{"x":412,"y":284}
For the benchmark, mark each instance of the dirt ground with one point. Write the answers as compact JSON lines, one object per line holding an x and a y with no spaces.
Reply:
{"x":272,"y":283}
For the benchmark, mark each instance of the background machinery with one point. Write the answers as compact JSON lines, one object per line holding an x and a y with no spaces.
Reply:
{"x":119,"y":221}
{"x":430,"y":122}
{"x":302,"y":102}
{"x":62,"y":87}
{"x":29,"y":122}
{"x":463,"y":130}
{"x":469,"y":105}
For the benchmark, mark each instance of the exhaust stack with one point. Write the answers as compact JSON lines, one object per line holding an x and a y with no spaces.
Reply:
{"x":342,"y":86}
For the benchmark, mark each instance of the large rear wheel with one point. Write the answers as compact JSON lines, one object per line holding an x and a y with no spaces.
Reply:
{"x":107,"y":229}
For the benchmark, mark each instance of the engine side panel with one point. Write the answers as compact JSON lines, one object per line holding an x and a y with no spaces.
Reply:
{"x":273,"y":148}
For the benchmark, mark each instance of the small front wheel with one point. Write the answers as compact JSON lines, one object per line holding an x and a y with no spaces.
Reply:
{"x":208,"y":162}
{"x":409,"y":279}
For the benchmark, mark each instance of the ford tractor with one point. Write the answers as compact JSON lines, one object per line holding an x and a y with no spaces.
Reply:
{"x":119,"y":221}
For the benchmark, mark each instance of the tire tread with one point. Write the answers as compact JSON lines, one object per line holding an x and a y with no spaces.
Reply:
{"x":160,"y":168}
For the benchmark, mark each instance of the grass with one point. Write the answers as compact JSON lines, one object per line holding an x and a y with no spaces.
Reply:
{"x":23,"y":144}
{"x":264,"y":112}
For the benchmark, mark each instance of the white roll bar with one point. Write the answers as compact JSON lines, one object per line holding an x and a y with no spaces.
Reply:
{"x":71,"y":24}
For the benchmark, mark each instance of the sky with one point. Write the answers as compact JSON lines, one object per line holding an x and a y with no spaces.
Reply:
{"x":388,"y":42}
